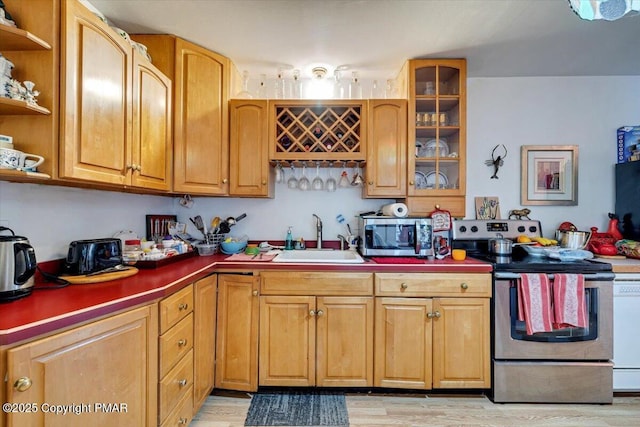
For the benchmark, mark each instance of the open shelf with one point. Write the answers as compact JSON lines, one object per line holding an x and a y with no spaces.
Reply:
{"x":12,"y":38}
{"x":10,"y":107}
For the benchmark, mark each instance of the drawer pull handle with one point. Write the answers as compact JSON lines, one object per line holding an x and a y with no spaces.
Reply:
{"x":404,"y":286}
{"x":182,"y":342}
{"x":464,"y":286}
{"x":183,"y":306}
{"x":182,"y":421}
{"x":182,"y":383}
{"x":22,"y":384}
{"x":312,"y":313}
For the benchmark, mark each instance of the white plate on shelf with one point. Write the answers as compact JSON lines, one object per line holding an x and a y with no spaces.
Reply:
{"x":436,"y":146}
{"x":421,"y":181}
{"x":431,"y":180}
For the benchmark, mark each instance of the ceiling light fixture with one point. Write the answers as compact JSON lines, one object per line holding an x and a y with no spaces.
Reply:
{"x":319,"y":87}
{"x":609,"y":10}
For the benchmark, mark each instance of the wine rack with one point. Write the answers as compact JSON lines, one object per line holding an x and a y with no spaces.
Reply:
{"x":318,"y":131}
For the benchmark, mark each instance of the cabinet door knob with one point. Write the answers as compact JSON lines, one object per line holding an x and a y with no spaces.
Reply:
{"x":320,"y":312}
{"x":464,"y":286}
{"x":403,"y":286}
{"x":410,"y":182}
{"x":255,"y":293}
{"x":225,"y":180}
{"x":182,"y":342}
{"x":22,"y":384}
{"x":370,"y":182}
{"x":183,"y":306}
{"x":139,"y":168}
{"x":430,"y":315}
{"x":437,"y":314}
{"x":264,"y":182}
{"x":182,"y":383}
{"x":312,"y":313}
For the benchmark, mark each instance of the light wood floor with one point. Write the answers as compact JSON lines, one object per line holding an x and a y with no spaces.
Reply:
{"x":376,"y":410}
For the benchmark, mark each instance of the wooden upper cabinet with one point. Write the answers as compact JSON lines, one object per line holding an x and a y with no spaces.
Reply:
{"x":95,"y":99}
{"x":249,"y":149}
{"x":387,"y":146}
{"x":201,"y":80}
{"x":152,"y":148}
{"x":436,"y":156}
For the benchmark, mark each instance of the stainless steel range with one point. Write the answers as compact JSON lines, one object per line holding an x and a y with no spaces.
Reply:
{"x":569,"y":364}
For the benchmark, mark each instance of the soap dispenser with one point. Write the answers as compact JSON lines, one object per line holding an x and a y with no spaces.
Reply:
{"x":288,"y":242}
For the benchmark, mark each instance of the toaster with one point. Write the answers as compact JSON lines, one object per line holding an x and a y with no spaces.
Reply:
{"x":90,"y":256}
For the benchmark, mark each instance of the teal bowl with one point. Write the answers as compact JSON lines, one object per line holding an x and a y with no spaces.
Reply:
{"x":233,"y":247}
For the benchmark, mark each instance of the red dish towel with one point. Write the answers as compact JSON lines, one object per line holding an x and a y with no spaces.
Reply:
{"x":534,"y":302}
{"x":569,"y":303}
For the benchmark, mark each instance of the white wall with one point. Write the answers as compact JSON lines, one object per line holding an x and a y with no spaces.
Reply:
{"x":583,"y":111}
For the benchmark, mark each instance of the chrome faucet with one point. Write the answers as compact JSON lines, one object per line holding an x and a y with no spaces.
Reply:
{"x":318,"y":232}
{"x":343,"y":242}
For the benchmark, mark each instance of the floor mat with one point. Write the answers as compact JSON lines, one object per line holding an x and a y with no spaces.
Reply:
{"x":297,"y":409}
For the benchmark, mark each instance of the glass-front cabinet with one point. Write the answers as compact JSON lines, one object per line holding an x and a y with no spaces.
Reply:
{"x":437,"y":131}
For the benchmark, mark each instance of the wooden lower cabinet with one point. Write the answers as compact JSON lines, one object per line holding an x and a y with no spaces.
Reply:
{"x":425,"y":341}
{"x":204,"y":339}
{"x":237,"y":332}
{"x":461,"y":343}
{"x":108,"y":362}
{"x":316,"y":341}
{"x":403,"y":343}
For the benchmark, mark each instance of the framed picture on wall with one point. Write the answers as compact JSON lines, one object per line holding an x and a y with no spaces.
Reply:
{"x":549,"y":175}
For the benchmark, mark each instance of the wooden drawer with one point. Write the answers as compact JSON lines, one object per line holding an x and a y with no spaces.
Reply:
{"x":182,"y":413}
{"x":174,"y":386}
{"x":175,"y":307}
{"x":175,"y":343}
{"x":316,"y":283}
{"x":433,"y":284}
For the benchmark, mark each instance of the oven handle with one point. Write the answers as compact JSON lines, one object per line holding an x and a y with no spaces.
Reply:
{"x":587,"y":277}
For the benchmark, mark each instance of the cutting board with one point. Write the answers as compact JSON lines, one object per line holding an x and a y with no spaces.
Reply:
{"x":610,"y":256}
{"x":98,"y":278}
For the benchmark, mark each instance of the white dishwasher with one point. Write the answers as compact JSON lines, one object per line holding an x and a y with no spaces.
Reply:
{"x":626,"y":345}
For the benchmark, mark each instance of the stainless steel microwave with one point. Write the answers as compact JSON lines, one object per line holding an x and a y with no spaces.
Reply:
{"x":391,"y":236}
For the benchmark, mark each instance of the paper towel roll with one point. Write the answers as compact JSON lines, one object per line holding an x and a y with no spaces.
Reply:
{"x":399,"y":210}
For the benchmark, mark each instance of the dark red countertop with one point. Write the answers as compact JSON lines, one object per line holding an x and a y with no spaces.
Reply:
{"x":45,"y":311}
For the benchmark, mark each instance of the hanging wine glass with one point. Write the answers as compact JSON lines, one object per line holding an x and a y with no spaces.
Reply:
{"x":292,"y":182}
{"x":279,"y":173}
{"x":344,"y":177}
{"x":317,"y":184}
{"x":331,"y":184}
{"x":303,"y":182}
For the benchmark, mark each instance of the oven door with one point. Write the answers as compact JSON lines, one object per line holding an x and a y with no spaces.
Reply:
{"x":592,"y":343}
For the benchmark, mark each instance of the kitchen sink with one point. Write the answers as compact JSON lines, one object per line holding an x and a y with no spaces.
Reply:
{"x":320,"y":256}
